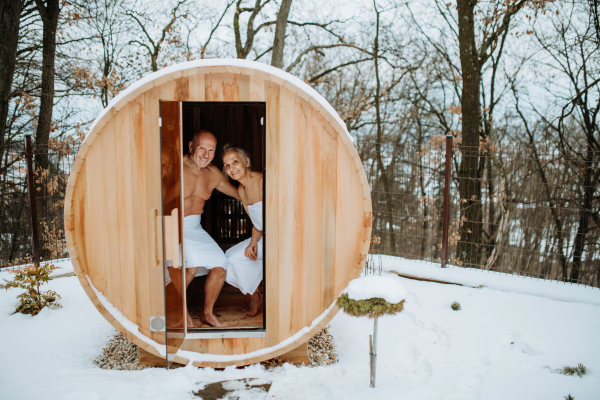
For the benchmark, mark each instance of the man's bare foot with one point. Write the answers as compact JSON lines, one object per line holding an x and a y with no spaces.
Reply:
{"x":248,"y":300}
{"x":256,"y":303}
{"x":211,"y":320}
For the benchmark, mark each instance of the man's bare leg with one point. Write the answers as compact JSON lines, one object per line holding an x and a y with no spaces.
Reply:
{"x":175,"y":274}
{"x":256,"y":303}
{"x":212,"y":288}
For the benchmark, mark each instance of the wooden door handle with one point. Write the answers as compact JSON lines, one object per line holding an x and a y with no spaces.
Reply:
{"x":154,"y":217}
{"x":175,"y":236}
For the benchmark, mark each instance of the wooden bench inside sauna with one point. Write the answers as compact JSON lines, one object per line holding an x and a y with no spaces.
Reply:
{"x":121,"y":231}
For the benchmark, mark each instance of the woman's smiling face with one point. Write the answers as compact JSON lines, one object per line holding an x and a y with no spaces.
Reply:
{"x":234,"y":165}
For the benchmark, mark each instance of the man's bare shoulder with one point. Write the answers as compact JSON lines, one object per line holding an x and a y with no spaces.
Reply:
{"x":214,"y":170}
{"x":216,"y":176}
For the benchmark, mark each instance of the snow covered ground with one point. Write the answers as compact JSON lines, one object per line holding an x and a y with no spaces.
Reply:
{"x":496,"y":347}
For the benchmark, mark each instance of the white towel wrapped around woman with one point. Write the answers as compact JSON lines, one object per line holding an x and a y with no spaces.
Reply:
{"x":242,"y":272}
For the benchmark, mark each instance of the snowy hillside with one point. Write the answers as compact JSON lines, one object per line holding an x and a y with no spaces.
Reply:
{"x":496,"y":347}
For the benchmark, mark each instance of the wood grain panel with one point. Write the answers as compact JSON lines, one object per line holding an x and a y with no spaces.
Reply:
{"x":196,"y":88}
{"x":328,"y":215}
{"x":252,"y":88}
{"x":109,"y":210}
{"x":154,"y":200}
{"x":230,"y":87}
{"x":144,"y":251}
{"x":244,"y":82}
{"x":212,"y":86}
{"x":342,"y":249}
{"x":221,"y":87}
{"x":182,"y":89}
{"x":257,"y":89}
{"x":300,"y":235}
{"x":81,"y":220}
{"x":125,"y":226}
{"x":272,"y":214}
{"x":357,"y":221}
{"x":314,"y":208}
{"x":287,"y":193}
{"x":94,"y":232}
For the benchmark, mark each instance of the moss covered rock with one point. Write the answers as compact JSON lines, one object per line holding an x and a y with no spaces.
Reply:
{"x":371,"y":307}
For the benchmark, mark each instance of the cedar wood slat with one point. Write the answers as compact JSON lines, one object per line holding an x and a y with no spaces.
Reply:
{"x":300,"y":236}
{"x":126,"y":228}
{"x":314,"y":209}
{"x":286,"y":200}
{"x":272,"y":215}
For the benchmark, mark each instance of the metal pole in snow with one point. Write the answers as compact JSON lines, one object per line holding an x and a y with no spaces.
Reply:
{"x":446,"y":216}
{"x":373,"y":351}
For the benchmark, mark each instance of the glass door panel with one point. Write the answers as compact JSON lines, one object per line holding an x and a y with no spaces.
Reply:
{"x":172,"y":216}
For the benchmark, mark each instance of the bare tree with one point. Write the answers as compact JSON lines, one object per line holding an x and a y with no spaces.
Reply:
{"x":153,"y":46}
{"x":280,"y":27}
{"x":10,"y":14}
{"x":575,"y":52}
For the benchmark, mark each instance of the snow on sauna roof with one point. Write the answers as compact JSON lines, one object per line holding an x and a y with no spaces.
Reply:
{"x":218,"y":62}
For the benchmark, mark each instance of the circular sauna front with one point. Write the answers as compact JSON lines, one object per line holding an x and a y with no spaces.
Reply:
{"x":317,"y":212}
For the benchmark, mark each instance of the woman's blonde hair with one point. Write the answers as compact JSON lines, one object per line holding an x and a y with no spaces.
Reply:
{"x":228,"y":148}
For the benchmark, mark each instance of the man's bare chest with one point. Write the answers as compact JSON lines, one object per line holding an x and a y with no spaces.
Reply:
{"x":198,"y":186}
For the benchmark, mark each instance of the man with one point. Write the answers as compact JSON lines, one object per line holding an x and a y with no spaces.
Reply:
{"x":200,"y":177}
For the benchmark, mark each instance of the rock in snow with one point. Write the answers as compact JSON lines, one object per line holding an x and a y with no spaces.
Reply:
{"x":387,"y":287}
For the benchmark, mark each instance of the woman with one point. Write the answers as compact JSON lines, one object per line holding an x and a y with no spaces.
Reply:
{"x":245,"y":259}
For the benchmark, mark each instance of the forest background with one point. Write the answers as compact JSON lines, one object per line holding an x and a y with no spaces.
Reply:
{"x":516,"y":83}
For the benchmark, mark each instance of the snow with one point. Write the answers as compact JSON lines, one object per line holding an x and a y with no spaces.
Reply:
{"x":190,"y":355}
{"x":216,"y":62}
{"x":554,"y":290}
{"x":496,"y":347}
{"x":387,"y":287}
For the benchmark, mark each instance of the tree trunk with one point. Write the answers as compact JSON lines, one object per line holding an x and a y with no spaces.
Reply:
{"x":279,"y":41}
{"x":10,"y":12}
{"x":582,"y":230}
{"x":49,"y":13}
{"x":469,"y":182}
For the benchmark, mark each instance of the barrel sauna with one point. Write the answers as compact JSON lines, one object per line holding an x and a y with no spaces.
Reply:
{"x":317,"y":211}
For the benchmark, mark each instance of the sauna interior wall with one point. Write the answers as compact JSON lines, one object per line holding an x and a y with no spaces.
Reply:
{"x":317,"y":222}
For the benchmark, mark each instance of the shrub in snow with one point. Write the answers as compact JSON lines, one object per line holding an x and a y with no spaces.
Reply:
{"x":580,"y":370}
{"x":31,"y":278}
{"x":455,"y":306}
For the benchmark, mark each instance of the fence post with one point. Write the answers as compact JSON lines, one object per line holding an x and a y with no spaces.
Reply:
{"x":31,"y":194}
{"x":446,"y":215}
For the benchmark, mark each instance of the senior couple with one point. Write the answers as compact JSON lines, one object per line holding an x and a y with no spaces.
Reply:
{"x":241,"y":266}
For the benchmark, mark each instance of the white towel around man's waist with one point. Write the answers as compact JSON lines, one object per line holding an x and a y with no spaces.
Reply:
{"x":201,"y":250}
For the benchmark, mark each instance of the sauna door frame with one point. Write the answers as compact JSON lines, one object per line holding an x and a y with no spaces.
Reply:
{"x":229,"y":331}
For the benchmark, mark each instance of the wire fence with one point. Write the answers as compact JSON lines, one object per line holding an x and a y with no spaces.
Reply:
{"x":532,"y":211}
{"x":52,"y":166}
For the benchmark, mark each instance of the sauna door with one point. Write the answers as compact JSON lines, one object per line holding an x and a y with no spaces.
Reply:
{"x":172,"y":220}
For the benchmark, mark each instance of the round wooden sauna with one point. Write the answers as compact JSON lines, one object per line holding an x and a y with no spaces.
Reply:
{"x":317,"y":210}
